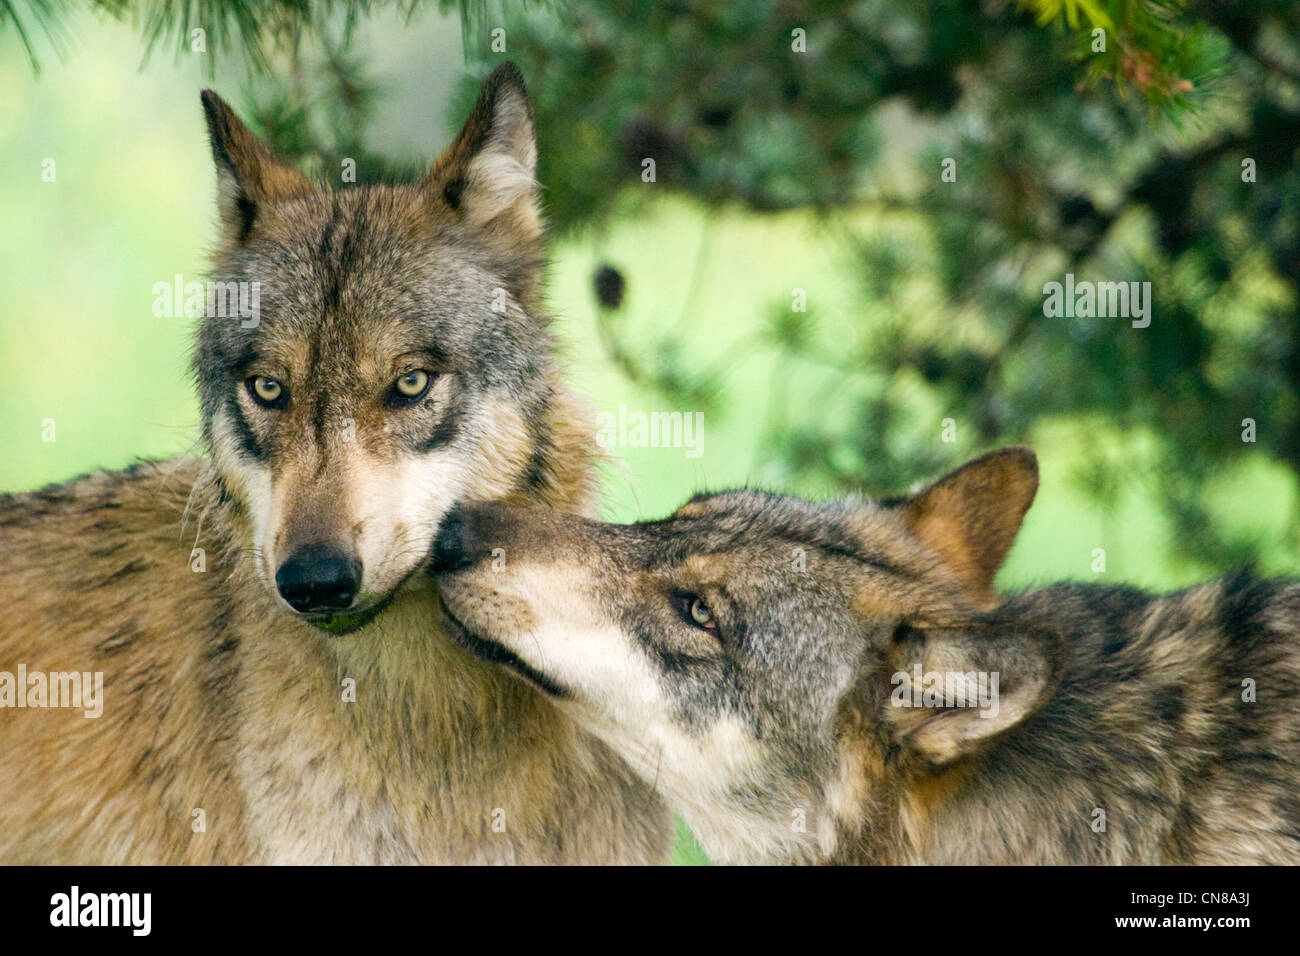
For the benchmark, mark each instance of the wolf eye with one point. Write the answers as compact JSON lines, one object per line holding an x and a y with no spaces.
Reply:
{"x":411,"y":387}
{"x":267,"y":392}
{"x":695,"y":612}
{"x":701,"y":614}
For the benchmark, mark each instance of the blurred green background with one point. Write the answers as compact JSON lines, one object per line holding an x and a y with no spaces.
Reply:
{"x":777,"y":169}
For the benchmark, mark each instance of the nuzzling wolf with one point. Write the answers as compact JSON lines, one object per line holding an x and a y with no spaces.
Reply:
{"x":839,"y":683}
{"x":271,"y":689}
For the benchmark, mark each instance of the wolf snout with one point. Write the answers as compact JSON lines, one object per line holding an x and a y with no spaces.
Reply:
{"x":450,"y":552}
{"x":470,"y":533}
{"x":318,"y":578}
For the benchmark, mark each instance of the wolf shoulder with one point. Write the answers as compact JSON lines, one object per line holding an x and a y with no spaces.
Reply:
{"x":102,"y":582}
{"x":105,"y":532}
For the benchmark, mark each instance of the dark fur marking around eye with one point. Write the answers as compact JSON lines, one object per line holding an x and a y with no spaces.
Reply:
{"x":670,"y":661}
{"x":675,"y":662}
{"x":242,"y":362}
{"x":445,"y":431}
{"x":243,"y":433}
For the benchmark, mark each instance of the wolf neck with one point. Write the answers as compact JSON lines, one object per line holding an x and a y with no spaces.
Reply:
{"x":876,"y":808}
{"x":776,"y":825}
{"x":992,"y":808}
{"x":876,"y":814}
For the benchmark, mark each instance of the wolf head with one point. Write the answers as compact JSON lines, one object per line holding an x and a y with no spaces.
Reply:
{"x":396,"y":359}
{"x":744,"y":654}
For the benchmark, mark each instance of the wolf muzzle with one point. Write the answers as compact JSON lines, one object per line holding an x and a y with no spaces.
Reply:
{"x":455,"y":548}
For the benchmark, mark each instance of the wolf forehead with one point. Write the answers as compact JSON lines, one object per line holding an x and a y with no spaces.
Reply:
{"x":365,"y":269}
{"x":854,"y":528}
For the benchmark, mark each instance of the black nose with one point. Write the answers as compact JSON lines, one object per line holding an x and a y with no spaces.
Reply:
{"x":318,"y":578}
{"x":449,"y":550}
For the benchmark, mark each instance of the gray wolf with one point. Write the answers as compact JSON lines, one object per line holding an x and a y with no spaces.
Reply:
{"x":840,"y":683}
{"x":271,"y":691}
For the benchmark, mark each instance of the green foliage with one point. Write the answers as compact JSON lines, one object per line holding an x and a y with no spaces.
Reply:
{"x":45,"y":16}
{"x":1056,"y":173}
{"x":1115,"y":164}
{"x":1146,"y":46}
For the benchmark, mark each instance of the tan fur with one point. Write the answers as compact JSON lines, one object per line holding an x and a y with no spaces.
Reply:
{"x":226,"y":735}
{"x":215,"y":700}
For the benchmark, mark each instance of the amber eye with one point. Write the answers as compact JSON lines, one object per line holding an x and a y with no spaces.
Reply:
{"x":701,"y":614}
{"x":411,"y":386}
{"x":267,"y":392}
{"x":695,"y":612}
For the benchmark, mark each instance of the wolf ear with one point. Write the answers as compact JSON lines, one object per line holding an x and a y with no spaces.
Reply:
{"x":248,"y":174}
{"x":487,"y":178}
{"x":983,"y":678}
{"x":970,"y":517}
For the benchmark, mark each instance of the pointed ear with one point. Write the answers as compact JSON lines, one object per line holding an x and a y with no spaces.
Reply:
{"x":249,"y":176}
{"x":970,"y":517}
{"x":487,"y":178}
{"x":977,"y":680}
